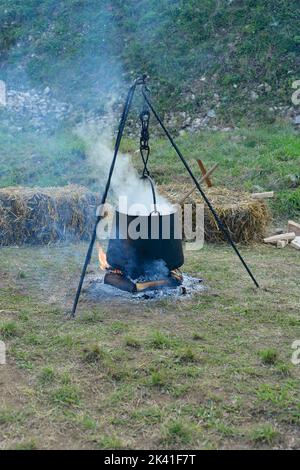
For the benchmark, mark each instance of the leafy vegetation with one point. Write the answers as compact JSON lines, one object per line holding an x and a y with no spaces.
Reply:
{"x":83,"y":49}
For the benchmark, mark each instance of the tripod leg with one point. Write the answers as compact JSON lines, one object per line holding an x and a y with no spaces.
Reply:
{"x":103,"y":200}
{"x":216,"y":217}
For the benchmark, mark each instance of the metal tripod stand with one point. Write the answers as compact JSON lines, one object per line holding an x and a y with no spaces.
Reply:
{"x":145,"y":92}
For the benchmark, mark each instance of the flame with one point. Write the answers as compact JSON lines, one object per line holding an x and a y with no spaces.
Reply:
{"x":102,"y":258}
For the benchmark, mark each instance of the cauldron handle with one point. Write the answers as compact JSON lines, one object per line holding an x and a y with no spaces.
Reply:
{"x":155,"y":211}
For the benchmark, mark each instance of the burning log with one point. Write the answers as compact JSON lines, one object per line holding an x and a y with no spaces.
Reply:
{"x":136,"y":265}
{"x":121,"y":281}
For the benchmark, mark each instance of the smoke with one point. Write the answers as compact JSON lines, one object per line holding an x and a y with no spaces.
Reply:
{"x":63,"y":62}
{"x":65,"y":69}
{"x":72,"y":47}
{"x":128,"y":191}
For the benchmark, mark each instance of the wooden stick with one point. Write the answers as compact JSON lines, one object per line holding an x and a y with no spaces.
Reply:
{"x":296,"y":243}
{"x":283,"y":236}
{"x":201,"y":181}
{"x":204,"y":173}
{"x":266,"y":195}
{"x":294,"y":227}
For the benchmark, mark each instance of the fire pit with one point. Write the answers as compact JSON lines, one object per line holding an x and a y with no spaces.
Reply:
{"x":98,"y":290}
{"x":147,"y":259}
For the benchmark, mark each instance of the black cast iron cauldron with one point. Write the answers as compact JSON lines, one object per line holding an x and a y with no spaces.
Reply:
{"x":138,"y":242}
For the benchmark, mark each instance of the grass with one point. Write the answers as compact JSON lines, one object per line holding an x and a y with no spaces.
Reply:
{"x":93,"y":353}
{"x":265,"y":434}
{"x":132,"y":342}
{"x":213,"y":371}
{"x":47,"y":375}
{"x":66,"y":395}
{"x":176,"y":432}
{"x":8,"y":329}
{"x":268,"y":356}
{"x":254,"y":159}
{"x":159,"y":340}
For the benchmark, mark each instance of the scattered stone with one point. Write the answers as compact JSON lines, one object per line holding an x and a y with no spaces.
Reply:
{"x":254,"y":96}
{"x":37,"y":109}
{"x":211,"y":113}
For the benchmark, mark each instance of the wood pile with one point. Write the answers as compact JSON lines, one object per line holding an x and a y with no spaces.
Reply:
{"x":290,"y":237}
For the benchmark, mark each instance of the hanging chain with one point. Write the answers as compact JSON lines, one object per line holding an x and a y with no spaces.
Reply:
{"x":144,"y":145}
{"x":144,"y":139}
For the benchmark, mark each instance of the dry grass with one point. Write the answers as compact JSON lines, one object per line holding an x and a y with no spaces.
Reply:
{"x":246,"y":219}
{"x":48,"y":215}
{"x":45,"y":215}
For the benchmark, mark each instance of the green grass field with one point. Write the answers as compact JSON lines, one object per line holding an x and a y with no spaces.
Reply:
{"x":213,"y":371}
{"x":209,"y":372}
{"x":254,"y":159}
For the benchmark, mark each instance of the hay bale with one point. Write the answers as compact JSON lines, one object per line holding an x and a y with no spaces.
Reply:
{"x":46,"y":215}
{"x":247,"y":219}
{"x":49,"y":215}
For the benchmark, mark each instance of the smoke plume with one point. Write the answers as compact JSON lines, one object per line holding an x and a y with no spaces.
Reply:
{"x":126,"y":182}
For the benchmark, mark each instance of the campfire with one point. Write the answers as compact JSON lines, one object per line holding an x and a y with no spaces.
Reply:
{"x":139,"y":264}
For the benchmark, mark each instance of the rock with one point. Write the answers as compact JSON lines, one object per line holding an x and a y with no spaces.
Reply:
{"x":253,"y":95}
{"x":197,"y":123}
{"x":211,"y":113}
